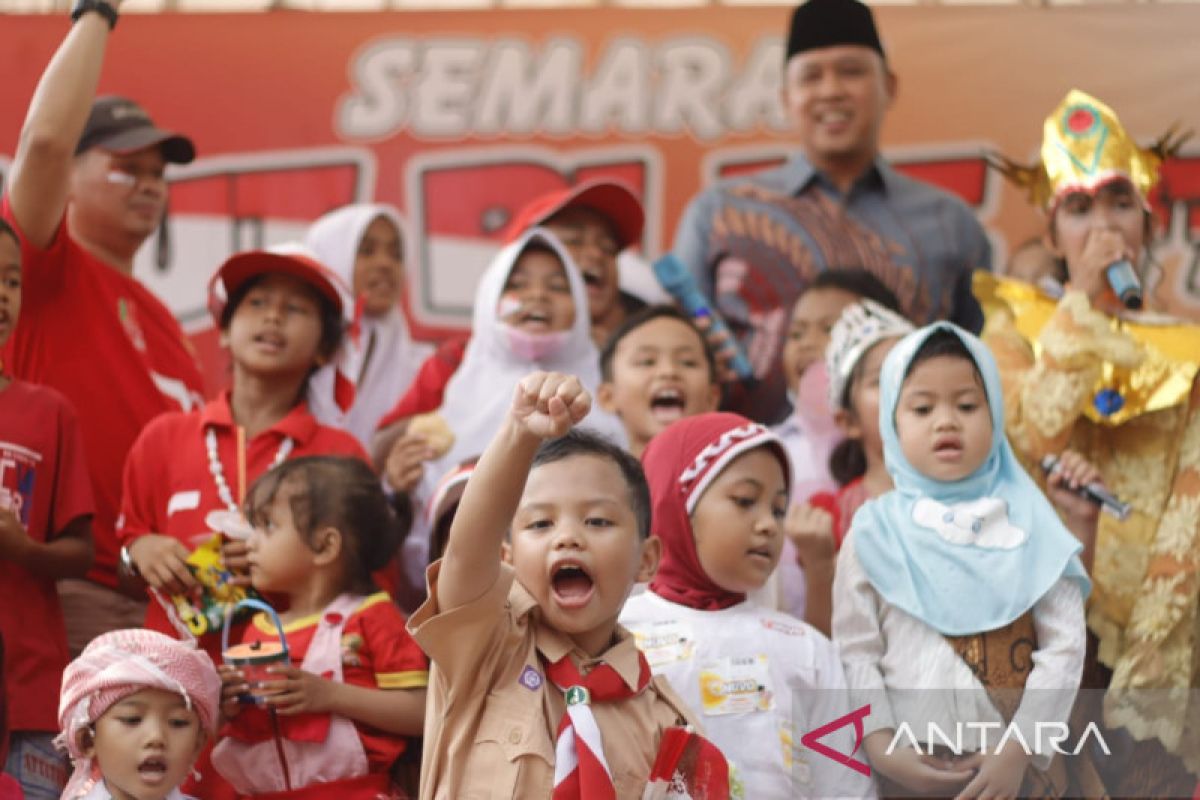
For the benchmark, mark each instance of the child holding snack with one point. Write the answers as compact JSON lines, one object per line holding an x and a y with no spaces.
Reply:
{"x":536,"y":691}
{"x":135,"y":711}
{"x":355,"y":695}
{"x":280,"y":315}
{"x":761,"y":678}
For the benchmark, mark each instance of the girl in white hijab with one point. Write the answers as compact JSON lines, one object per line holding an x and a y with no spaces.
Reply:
{"x":364,"y":245}
{"x":530,"y":314}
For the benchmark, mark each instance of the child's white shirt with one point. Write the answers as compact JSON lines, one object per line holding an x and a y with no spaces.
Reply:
{"x":759,"y":680}
{"x":909,"y":673}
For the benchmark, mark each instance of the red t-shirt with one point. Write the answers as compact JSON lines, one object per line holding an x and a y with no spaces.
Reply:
{"x":169,"y":488}
{"x":428,"y":388}
{"x":377,"y":652}
{"x":113,"y":349}
{"x":842,"y":505}
{"x":43,"y":478}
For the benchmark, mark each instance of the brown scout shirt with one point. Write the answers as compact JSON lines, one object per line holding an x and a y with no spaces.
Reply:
{"x":492,"y":715}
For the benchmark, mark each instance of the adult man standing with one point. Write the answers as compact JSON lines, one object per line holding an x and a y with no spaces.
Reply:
{"x":87,"y":189}
{"x":755,"y":243}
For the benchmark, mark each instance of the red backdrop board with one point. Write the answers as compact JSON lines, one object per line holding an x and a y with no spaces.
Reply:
{"x":460,"y":117}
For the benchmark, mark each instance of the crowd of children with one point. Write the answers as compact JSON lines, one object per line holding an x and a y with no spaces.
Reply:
{"x":562,"y":572}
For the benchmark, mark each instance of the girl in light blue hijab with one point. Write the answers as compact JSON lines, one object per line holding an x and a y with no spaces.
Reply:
{"x":959,"y":582}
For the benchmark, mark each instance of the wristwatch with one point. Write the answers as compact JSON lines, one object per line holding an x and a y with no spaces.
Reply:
{"x":127,"y":565}
{"x":104,"y":9}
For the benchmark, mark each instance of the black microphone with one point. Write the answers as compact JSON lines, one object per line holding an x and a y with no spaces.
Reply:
{"x":1125,"y":284}
{"x":1094,"y":492}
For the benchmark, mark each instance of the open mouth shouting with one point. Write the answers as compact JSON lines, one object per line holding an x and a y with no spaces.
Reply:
{"x":571,"y":584}
{"x":532,"y":318}
{"x":667,"y":405}
{"x":153,"y":769}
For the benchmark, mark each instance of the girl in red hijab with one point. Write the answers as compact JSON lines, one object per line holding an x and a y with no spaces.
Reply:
{"x":762,"y":679}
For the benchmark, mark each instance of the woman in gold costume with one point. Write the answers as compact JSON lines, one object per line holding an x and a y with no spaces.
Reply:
{"x":1083,"y":372}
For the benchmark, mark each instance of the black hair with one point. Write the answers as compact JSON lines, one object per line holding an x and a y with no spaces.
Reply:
{"x":582,"y":443}
{"x":859,"y":281}
{"x":7,"y":230}
{"x":642,"y":317}
{"x":338,"y":492}
{"x":331,"y":318}
{"x":942,"y":342}
{"x":848,"y":461}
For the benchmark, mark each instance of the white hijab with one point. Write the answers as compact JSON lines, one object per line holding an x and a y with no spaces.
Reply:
{"x":480,"y":393}
{"x":335,"y":239}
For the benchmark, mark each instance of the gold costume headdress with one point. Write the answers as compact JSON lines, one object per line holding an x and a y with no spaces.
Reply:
{"x":1084,"y":147}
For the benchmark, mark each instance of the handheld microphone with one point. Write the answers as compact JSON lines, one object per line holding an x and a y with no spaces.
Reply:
{"x":1125,"y":284}
{"x":679,"y":283}
{"x":1093,"y":492}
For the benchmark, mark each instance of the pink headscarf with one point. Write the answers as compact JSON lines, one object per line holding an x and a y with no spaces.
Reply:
{"x":118,"y":664}
{"x":680,"y":463}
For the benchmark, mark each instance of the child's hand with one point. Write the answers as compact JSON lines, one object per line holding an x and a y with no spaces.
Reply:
{"x":405,"y":463}
{"x":14,"y":540}
{"x":913,"y":770}
{"x":299,"y":692}
{"x":234,"y":554}
{"x":233,"y":686}
{"x":1070,"y":472}
{"x":721,"y":346}
{"x":547,"y":404}
{"x":811,"y":532}
{"x":997,"y":775}
{"x":162,"y":562}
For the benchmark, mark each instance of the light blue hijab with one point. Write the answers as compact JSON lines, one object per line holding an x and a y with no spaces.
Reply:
{"x":969,"y":556}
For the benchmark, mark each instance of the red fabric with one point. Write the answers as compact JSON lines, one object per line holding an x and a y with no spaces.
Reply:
{"x":688,"y":760}
{"x":43,"y":478}
{"x":9,"y":788}
{"x":590,"y":780}
{"x":372,"y":786}
{"x":429,"y":386}
{"x":375,"y":646}
{"x":169,"y":462}
{"x":680,"y":462}
{"x":611,"y":199}
{"x":116,"y":353}
{"x":841,"y":505}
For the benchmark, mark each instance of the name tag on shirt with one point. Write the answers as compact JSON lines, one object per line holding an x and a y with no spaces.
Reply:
{"x":665,"y":642}
{"x":736,"y":685}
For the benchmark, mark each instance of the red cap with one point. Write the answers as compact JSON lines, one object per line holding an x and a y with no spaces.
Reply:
{"x":612,"y":199}
{"x":289,"y":258}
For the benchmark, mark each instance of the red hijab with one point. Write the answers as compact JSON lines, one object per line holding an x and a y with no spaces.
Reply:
{"x":680,"y":464}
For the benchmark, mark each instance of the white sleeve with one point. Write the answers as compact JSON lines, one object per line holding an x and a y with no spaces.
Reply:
{"x":1050,"y":689}
{"x":831,"y":701}
{"x":858,"y":635}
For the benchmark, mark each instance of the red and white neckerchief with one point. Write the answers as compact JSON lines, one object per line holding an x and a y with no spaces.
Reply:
{"x":581,"y":771}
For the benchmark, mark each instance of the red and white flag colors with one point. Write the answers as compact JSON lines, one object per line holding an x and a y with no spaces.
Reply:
{"x":580,"y":770}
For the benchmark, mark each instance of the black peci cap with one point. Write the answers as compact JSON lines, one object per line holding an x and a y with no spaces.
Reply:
{"x":828,"y":23}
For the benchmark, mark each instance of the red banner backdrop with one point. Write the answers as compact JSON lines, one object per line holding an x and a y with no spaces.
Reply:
{"x":460,"y":117}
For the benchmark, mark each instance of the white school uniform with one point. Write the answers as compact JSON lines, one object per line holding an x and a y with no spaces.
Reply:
{"x":759,"y":680}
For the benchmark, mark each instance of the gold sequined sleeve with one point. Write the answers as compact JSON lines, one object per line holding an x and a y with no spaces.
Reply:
{"x":1050,"y":381}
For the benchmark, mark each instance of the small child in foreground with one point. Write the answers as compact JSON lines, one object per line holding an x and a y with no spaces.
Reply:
{"x":136,"y":709}
{"x":535,"y":690}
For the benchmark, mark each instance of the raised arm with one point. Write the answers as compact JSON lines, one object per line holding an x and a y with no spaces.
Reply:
{"x":545,"y":405}
{"x":57,"y":114}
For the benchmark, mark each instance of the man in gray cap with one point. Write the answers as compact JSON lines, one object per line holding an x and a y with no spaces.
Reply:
{"x":86,"y":190}
{"x":754,"y":243}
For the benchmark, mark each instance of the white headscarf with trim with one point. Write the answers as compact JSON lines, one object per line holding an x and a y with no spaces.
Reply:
{"x":396,"y":358}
